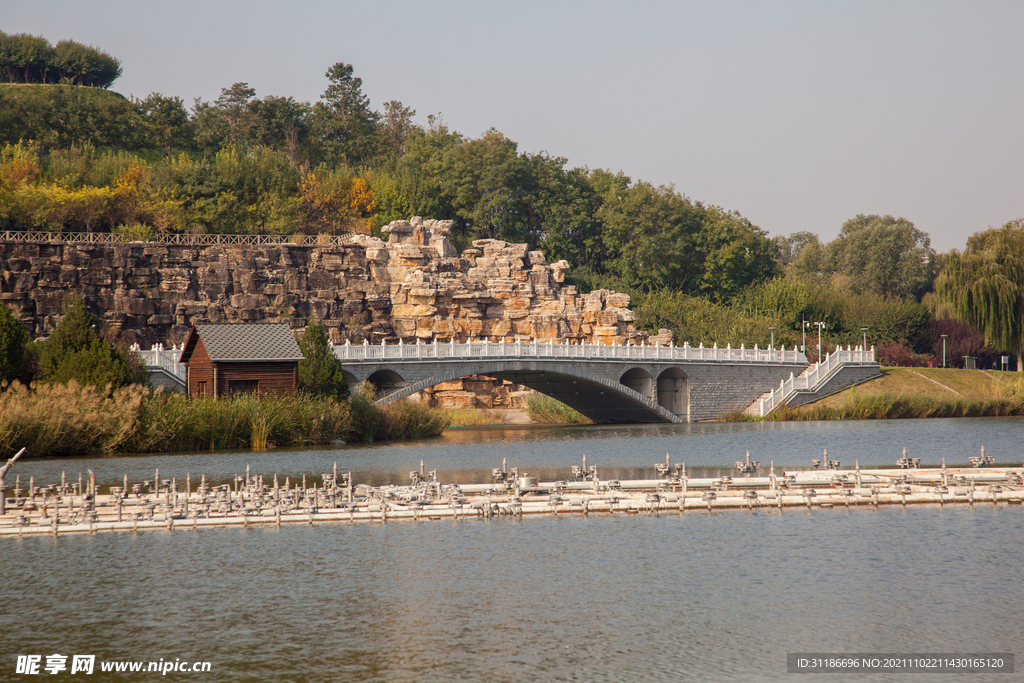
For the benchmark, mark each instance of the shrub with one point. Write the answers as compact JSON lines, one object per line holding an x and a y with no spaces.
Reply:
{"x":897,"y":353}
{"x":14,"y":348}
{"x":320,"y":374}
{"x":412,"y":420}
{"x":77,"y":351}
{"x":548,"y":410}
{"x":400,"y":420}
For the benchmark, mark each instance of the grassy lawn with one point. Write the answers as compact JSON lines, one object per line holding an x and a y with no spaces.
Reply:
{"x":971,"y":384}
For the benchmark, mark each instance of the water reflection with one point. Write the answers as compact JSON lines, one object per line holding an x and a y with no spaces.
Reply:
{"x":715,"y":597}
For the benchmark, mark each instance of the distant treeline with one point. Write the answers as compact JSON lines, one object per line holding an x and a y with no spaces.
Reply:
{"x":26,"y":58}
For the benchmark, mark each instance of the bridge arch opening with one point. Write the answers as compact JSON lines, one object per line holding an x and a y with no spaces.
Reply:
{"x":673,"y":395}
{"x":350,"y":379}
{"x":386,"y":382}
{"x":639,"y":380}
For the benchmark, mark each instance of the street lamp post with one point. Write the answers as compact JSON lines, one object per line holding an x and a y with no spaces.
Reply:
{"x":772,"y":330}
{"x":820,"y":326}
{"x":864,"y":347}
{"x":944,"y":338}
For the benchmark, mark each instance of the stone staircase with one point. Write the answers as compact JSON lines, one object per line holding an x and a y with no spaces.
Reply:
{"x":840,"y":369}
{"x":754,"y":409}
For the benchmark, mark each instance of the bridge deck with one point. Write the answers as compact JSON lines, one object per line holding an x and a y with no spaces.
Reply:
{"x":533,"y":349}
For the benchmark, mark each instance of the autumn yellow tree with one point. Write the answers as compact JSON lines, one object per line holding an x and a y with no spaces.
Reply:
{"x":335,"y":202}
{"x":133,"y":201}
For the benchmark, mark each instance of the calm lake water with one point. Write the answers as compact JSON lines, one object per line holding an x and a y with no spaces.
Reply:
{"x":705,"y":597}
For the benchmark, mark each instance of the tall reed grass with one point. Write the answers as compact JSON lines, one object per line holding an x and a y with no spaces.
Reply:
{"x":59,"y":419}
{"x":551,"y":411}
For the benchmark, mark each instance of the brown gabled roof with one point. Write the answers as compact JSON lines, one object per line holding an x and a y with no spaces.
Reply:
{"x":229,"y":342}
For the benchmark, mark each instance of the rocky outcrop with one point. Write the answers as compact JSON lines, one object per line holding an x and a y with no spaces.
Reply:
{"x":413,"y":287}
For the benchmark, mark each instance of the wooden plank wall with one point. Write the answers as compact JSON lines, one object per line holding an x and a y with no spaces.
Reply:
{"x":200,"y":369}
{"x":278,"y":377}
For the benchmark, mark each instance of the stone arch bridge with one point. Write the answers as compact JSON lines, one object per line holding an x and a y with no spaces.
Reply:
{"x":605,"y":383}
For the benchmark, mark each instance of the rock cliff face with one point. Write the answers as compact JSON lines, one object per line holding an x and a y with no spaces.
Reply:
{"x":413,"y":287}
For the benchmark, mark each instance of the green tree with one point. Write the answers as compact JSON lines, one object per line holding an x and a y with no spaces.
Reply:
{"x":282,"y":124}
{"x":14,"y":350}
{"x":393,"y":131}
{"x":236,"y":106}
{"x":984,"y":285}
{"x":481,"y":178}
{"x":64,"y":116}
{"x":885,"y":255}
{"x":320,"y":373}
{"x":77,"y":350}
{"x":735,"y":254}
{"x":79,"y":64}
{"x":167,"y":121}
{"x":26,"y":58}
{"x":417,"y":178}
{"x":342,"y":119}
{"x":788,"y":247}
{"x":559,"y":211}
{"x":649,"y":233}
{"x":811,"y":261}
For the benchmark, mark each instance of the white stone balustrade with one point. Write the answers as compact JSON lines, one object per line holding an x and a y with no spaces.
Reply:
{"x":160,"y":357}
{"x":551,"y":349}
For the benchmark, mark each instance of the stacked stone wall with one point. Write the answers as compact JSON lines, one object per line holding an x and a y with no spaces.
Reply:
{"x":415,"y":287}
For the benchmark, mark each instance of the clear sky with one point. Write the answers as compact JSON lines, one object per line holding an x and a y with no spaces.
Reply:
{"x":797,"y":114}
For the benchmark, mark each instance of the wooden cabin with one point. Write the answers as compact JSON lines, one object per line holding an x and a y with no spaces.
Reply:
{"x":241,"y":358}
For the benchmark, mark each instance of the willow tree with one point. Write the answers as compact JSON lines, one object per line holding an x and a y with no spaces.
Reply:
{"x":984,"y":285}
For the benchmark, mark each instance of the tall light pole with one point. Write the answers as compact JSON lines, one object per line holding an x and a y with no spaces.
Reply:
{"x":772,"y":330}
{"x":820,"y":326}
{"x":864,"y":347}
{"x":944,"y":338}
{"x":803,"y":332}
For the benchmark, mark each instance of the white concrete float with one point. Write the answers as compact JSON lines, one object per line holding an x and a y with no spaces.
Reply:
{"x":79,"y":508}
